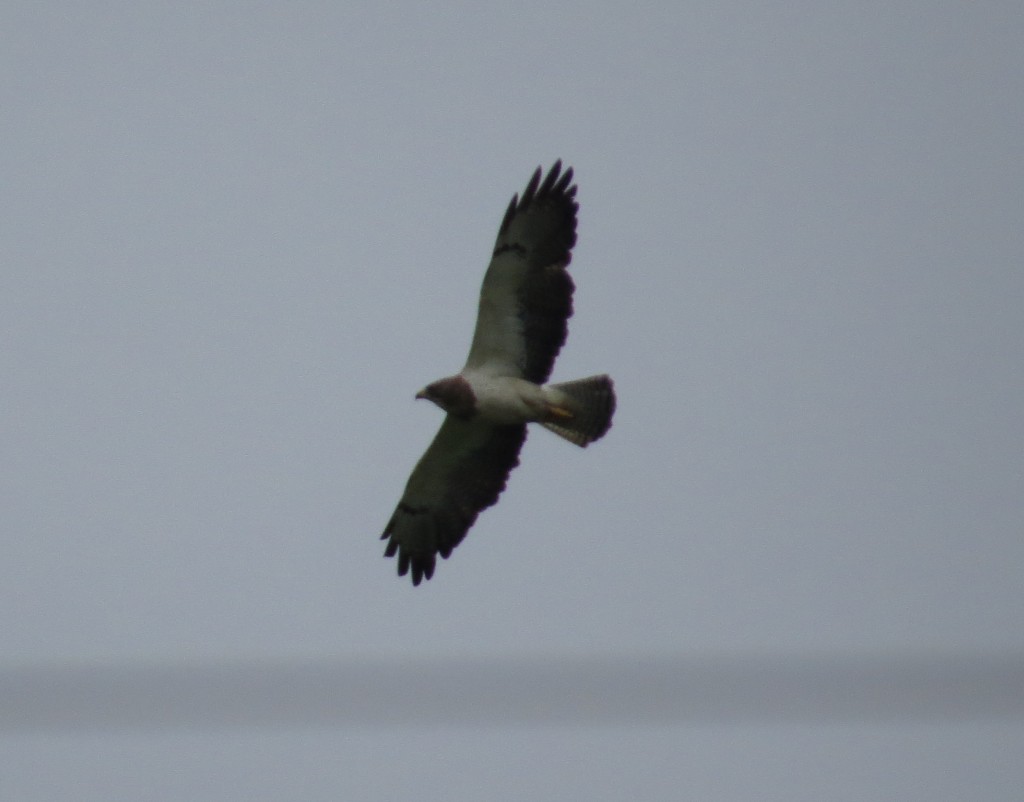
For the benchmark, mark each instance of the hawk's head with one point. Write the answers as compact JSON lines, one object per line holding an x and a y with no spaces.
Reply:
{"x":453,"y":395}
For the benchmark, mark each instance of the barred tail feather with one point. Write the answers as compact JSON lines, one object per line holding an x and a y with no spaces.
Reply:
{"x":590,"y":403}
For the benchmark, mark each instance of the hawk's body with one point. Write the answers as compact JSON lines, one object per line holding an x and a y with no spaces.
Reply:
{"x":525,"y":303}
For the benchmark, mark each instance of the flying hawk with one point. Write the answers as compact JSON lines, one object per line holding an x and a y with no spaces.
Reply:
{"x":525,"y":303}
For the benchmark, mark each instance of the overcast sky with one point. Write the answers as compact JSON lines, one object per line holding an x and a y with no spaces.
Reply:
{"x":235,"y":240}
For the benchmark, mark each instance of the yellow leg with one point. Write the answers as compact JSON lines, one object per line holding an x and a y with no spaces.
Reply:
{"x":559,"y":412}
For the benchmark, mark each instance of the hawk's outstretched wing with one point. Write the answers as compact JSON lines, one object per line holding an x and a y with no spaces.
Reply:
{"x":462,"y":472}
{"x":526,"y":297}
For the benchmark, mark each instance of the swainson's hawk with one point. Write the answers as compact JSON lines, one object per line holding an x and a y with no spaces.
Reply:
{"x":525,"y":303}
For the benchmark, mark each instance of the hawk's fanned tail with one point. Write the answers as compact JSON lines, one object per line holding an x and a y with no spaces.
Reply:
{"x":590,"y":404}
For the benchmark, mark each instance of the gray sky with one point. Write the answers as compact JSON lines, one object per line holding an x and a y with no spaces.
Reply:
{"x":236,"y":239}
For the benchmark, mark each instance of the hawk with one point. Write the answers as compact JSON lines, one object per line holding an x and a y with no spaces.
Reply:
{"x":525,"y":305}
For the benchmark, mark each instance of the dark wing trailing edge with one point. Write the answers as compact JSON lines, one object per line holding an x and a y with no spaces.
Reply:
{"x":526,"y":297}
{"x":463,"y":471}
